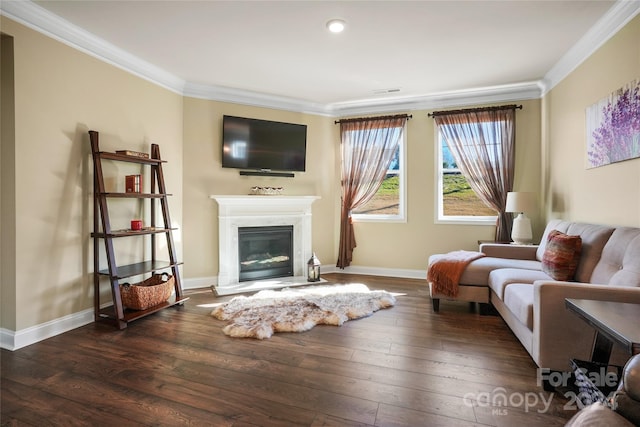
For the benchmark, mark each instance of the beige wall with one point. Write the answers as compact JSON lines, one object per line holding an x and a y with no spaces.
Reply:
{"x":60,"y":93}
{"x":204,"y":176}
{"x":608,"y":194}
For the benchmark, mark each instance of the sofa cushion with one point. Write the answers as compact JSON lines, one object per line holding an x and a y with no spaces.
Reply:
{"x":501,"y":278}
{"x":619,"y":264}
{"x":518,"y":297}
{"x":477,"y":272}
{"x":561,"y":255}
{"x":594,"y":237}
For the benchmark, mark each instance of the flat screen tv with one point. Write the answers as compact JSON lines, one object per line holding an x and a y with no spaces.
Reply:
{"x":263,"y":145}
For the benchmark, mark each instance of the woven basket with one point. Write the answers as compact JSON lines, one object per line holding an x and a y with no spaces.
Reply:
{"x":148,"y":293}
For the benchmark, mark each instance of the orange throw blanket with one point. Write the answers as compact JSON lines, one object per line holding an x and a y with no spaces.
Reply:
{"x":444,"y":274}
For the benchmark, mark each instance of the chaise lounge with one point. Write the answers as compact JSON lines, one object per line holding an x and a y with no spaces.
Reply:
{"x":530,"y":297}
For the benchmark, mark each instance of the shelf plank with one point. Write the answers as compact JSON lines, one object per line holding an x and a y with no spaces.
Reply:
{"x":128,"y":232}
{"x":136,"y":269}
{"x":108,"y":313}
{"x":137,"y":195}
{"x":131,"y":159}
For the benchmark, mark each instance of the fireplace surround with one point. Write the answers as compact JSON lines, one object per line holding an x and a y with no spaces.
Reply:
{"x":236,"y":212}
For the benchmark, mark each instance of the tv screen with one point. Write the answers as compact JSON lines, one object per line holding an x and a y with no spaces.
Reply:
{"x":263,"y":144}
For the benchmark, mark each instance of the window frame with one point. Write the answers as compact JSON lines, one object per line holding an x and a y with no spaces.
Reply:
{"x":440,"y":217}
{"x":401,"y":216}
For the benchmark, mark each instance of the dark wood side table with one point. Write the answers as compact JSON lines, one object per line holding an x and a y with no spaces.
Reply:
{"x":492,"y":241}
{"x":613,"y":321}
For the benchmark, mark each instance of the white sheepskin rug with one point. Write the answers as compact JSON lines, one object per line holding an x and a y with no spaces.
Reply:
{"x":296,"y":310}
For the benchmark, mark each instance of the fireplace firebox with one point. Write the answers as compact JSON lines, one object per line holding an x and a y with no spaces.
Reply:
{"x":265,"y":252}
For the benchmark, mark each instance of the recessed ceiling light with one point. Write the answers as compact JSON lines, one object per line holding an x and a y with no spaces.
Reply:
{"x":336,"y":25}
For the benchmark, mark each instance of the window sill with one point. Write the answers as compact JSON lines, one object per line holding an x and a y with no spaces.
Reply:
{"x":378,"y":218}
{"x":468,"y":221}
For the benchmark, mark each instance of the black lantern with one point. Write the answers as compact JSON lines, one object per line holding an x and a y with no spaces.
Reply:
{"x":313,"y":269}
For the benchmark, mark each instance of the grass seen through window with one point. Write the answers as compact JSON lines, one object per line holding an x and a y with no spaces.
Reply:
{"x":387,"y":199}
{"x":460,"y":200}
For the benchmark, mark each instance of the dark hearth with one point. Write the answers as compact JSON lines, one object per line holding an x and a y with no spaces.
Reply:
{"x":265,"y":252}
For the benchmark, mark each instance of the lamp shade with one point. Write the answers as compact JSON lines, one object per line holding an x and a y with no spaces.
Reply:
{"x":520,"y":201}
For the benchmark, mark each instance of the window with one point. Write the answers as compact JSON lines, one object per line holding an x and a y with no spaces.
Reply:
{"x":388,"y":204}
{"x":456,"y":200}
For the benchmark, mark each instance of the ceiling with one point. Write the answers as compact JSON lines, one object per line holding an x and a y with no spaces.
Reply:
{"x":393,"y":54}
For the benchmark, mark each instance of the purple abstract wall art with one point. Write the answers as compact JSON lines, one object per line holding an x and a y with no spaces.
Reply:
{"x":613,"y":127}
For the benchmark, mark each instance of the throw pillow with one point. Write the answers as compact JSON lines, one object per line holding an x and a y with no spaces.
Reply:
{"x":561,"y":255}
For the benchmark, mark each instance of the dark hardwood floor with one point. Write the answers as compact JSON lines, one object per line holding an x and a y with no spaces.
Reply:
{"x":403,"y":366}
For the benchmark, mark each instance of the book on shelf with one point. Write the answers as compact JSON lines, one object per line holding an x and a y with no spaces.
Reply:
{"x":133,"y":153}
{"x":133,"y":184}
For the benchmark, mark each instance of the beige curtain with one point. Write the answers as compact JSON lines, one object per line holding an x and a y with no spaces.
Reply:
{"x":482,"y":143}
{"x":368,"y":146}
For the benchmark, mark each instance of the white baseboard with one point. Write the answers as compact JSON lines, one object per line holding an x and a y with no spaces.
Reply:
{"x":14,"y":340}
{"x":199,"y":282}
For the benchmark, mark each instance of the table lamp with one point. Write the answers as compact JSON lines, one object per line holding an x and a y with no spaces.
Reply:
{"x":521,"y":202}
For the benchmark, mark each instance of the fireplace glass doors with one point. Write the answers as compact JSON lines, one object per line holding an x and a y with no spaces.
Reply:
{"x":265,"y":252}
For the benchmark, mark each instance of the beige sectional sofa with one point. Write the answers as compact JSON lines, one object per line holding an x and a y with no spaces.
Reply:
{"x":533,"y":304}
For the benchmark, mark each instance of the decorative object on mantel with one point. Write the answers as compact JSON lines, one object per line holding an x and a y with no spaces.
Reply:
{"x":267,"y":191}
{"x":298,"y":310}
{"x":613,"y":127}
{"x":313,"y":268}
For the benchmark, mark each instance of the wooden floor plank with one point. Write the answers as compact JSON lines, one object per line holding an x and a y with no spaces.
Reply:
{"x":30,"y":405}
{"x":402,"y":366}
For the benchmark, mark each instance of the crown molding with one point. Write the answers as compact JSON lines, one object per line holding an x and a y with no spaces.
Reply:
{"x":617,"y":17}
{"x":256,"y":99}
{"x":41,"y":20}
{"x":487,"y":95}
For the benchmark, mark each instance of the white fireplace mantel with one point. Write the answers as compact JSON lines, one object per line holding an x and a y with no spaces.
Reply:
{"x":261,"y":211}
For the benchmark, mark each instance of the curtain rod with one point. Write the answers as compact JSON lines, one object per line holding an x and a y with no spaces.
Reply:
{"x":476,"y":110}
{"x":364,"y":119}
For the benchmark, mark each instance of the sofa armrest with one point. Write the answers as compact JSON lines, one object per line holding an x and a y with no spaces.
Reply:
{"x":627,"y":398}
{"x":559,"y":334}
{"x":502,"y":250}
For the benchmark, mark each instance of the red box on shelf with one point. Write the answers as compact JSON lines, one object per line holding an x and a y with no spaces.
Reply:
{"x":133,"y":183}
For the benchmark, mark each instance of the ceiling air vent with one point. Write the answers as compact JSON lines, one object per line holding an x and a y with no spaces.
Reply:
{"x":383,"y":91}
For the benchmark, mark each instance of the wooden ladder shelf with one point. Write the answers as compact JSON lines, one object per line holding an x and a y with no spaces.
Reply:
{"x":118,"y":313}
